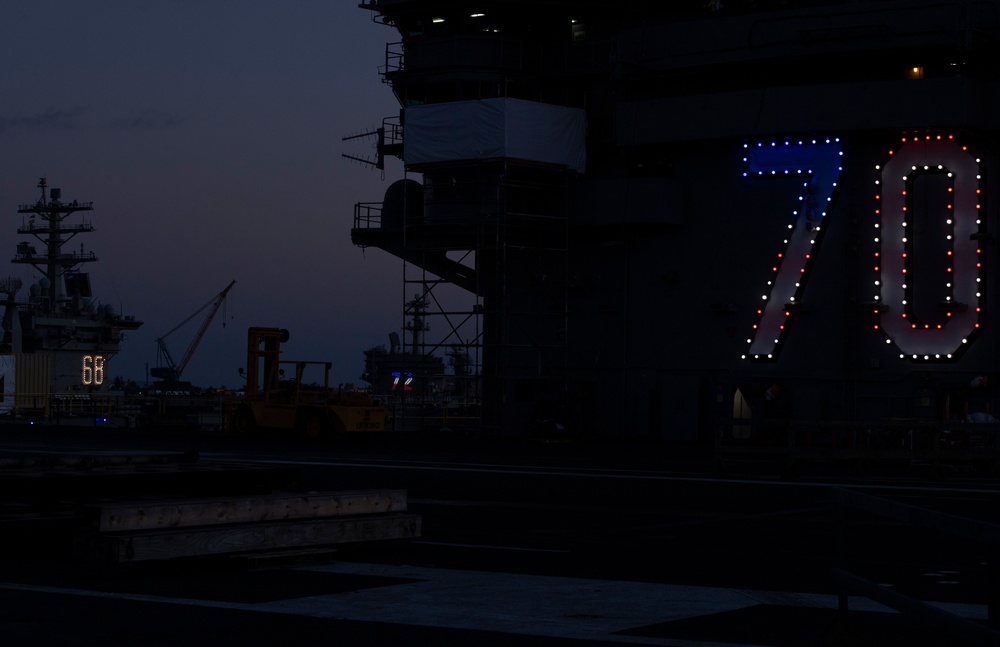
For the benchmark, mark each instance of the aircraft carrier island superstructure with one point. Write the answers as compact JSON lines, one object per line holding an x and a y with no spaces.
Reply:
{"x":664,"y":213}
{"x":58,"y":339}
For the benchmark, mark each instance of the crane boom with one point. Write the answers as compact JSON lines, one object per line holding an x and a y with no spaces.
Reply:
{"x":173,"y":371}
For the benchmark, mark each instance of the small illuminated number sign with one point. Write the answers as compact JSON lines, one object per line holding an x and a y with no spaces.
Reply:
{"x":407,"y":379}
{"x":928,"y":283}
{"x":818,"y":163}
{"x":93,"y":370}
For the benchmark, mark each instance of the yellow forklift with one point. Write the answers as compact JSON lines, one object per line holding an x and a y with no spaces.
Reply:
{"x":274,"y":402}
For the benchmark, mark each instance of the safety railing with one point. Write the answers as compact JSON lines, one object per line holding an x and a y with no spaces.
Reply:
{"x":434,"y":415}
{"x":932,"y":444}
{"x":368,"y":215}
{"x":958,"y":629}
{"x":205,"y":410}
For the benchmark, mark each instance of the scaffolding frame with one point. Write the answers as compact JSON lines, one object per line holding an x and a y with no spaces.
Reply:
{"x":519,"y":263}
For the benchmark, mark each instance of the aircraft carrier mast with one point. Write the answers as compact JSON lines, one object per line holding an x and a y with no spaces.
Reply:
{"x":59,"y":268}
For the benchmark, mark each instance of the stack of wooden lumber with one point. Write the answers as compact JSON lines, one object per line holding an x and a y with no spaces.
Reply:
{"x":158,"y":529}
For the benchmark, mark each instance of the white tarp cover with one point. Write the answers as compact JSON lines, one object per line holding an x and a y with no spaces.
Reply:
{"x":495,"y":128}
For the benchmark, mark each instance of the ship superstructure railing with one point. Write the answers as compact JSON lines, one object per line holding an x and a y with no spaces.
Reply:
{"x":36,"y":229}
{"x":368,"y":215}
{"x":394,"y":56}
{"x":432,"y":414}
{"x":40,"y":206}
{"x":392,"y":133}
{"x":101,"y":409}
{"x":71,"y":258}
{"x":480,"y":51}
{"x":934,"y":446}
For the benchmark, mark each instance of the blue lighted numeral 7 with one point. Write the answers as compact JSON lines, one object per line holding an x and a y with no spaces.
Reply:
{"x":818,"y":162}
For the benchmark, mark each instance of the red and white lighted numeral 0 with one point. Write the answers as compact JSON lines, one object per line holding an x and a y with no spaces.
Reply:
{"x":818,"y":163}
{"x":950,"y":205}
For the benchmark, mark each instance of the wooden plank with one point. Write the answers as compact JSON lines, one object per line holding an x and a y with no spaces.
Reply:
{"x":184,"y":513}
{"x":219,"y":540}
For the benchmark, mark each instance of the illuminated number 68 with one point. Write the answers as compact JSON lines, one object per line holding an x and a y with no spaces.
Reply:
{"x":93,"y":370}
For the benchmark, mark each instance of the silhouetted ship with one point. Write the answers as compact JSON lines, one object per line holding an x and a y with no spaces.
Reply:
{"x":419,"y":391}
{"x":58,"y":339}
{"x":672,"y":218}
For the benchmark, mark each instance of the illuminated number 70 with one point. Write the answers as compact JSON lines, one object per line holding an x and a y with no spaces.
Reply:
{"x":818,"y":161}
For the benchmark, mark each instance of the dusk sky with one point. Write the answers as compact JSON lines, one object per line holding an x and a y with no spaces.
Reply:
{"x":208,"y":136}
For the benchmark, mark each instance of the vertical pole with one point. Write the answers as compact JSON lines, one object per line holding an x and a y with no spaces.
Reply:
{"x":841,"y":539}
{"x":993,"y":586}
